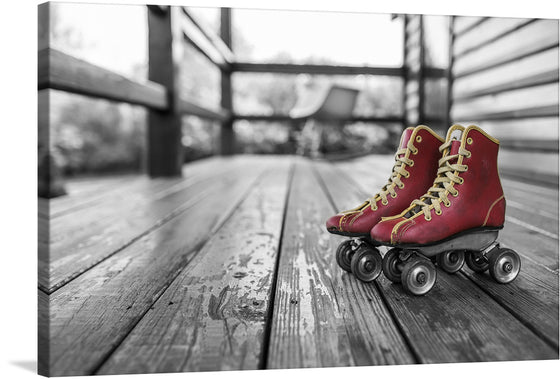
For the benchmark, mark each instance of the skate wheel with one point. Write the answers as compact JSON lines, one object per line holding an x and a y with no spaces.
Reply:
{"x":344,"y":254}
{"x":418,"y":276}
{"x":476,"y":261}
{"x":390,"y":265}
{"x":504,"y":265}
{"x":451,"y":261}
{"x":366,"y":263}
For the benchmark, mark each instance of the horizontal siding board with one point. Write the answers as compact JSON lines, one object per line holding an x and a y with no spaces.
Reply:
{"x":540,"y":79}
{"x":507,"y":75}
{"x":534,"y":38}
{"x":522,"y":129}
{"x":494,"y":28}
{"x":463,"y":24}
{"x":534,"y":145}
{"x":544,"y":97}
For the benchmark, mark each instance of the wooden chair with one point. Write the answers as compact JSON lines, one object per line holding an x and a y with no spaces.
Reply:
{"x":317,"y":113}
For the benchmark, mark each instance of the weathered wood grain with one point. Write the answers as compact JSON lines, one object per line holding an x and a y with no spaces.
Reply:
{"x":508,"y":74}
{"x":533,"y":297}
{"x":61,"y":71}
{"x":74,"y":249}
{"x":456,"y":321}
{"x":213,"y":316}
{"x":322,"y":317}
{"x":91,"y":315}
{"x":89,"y":192}
{"x":490,"y":30}
{"x":517,"y":100}
{"x":531,"y":39}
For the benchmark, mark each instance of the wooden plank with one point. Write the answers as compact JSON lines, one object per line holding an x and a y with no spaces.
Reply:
{"x":536,"y":37}
{"x":90,"y":193}
{"x":190,"y":32}
{"x":106,"y":229}
{"x":93,"y":314}
{"x":221,"y":301}
{"x":541,"y":311}
{"x":165,"y":150}
{"x":324,"y":318}
{"x":479,"y":330}
{"x":63,"y":72}
{"x":217,"y":42}
{"x":314,"y":69}
{"x":190,"y":108}
{"x":489,"y":31}
{"x":533,"y":145}
{"x":540,"y":99}
{"x":543,"y":78}
{"x":511,"y":72}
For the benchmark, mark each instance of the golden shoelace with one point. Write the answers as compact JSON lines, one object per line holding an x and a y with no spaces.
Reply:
{"x":443,"y":184}
{"x":399,"y":168}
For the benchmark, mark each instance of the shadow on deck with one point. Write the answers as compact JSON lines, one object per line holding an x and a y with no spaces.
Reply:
{"x":230,"y":267}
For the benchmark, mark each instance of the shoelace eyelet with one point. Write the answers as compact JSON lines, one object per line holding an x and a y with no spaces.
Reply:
{"x":418,"y":139}
{"x":401,"y":186}
{"x":394,"y":195}
{"x":411,"y":163}
{"x":447,"y":205}
{"x":469,"y":141}
{"x":384,"y":202}
{"x":428,"y":218}
{"x":455,"y":194}
{"x":439,"y":212}
{"x":461,"y":181}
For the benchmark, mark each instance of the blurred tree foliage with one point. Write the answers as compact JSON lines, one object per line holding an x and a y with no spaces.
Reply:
{"x":90,"y":135}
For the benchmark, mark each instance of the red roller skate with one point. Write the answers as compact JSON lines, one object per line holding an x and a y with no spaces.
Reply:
{"x":413,"y":172}
{"x":457,"y":220}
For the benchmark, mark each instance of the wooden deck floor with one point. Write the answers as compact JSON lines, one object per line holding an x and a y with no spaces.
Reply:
{"x":230,"y":267}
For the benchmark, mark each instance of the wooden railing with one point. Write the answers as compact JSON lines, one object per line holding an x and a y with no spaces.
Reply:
{"x":168,"y":29}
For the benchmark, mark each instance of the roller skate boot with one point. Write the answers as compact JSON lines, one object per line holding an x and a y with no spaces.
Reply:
{"x":456,"y":220}
{"x":413,"y":172}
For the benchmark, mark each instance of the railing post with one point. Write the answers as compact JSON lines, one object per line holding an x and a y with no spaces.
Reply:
{"x":50,"y":181}
{"x":165,"y":153}
{"x":227,"y":135}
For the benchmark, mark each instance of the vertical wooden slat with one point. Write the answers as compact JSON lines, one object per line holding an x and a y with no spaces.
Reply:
{"x":165,"y":155}
{"x":421,"y":81}
{"x":450,"y":70}
{"x":405,"y":76}
{"x":227,"y":135}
